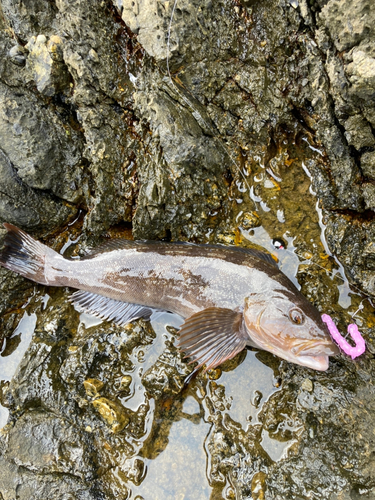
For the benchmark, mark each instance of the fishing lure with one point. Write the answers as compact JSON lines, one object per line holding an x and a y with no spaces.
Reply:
{"x":360,"y":345}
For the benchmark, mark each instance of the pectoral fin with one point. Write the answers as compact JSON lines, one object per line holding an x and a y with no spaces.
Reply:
{"x":212,"y":336}
{"x":108,"y":309}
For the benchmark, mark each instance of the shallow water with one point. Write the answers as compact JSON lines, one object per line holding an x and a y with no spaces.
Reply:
{"x":9,"y":362}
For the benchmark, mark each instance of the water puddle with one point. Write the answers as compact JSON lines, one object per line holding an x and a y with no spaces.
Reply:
{"x":173,"y":447}
{"x":248,"y":387}
{"x":146,"y":356}
{"x":288,"y":261}
{"x":276,"y":449}
{"x":9,"y":363}
{"x":179,"y":472}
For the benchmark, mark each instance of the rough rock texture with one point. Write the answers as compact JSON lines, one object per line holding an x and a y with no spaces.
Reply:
{"x":92,"y":408}
{"x":109,"y":127}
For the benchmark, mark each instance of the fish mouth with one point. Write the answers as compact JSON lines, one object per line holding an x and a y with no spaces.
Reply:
{"x":319,"y":363}
{"x":314,"y":348}
{"x":311,"y":354}
{"x":315,"y":355}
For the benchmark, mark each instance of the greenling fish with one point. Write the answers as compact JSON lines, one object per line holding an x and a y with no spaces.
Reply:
{"x":229,"y":297}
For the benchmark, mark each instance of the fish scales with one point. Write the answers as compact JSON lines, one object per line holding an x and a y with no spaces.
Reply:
{"x":184,"y":279}
{"x":229,"y":297}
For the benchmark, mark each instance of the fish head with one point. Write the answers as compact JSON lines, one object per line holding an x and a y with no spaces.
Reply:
{"x":286,"y":324}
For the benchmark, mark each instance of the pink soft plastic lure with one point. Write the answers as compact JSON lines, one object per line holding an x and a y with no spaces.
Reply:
{"x":360,"y":345}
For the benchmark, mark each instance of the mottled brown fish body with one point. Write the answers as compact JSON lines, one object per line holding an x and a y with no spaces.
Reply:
{"x":224,"y":293}
{"x":180,"y":278}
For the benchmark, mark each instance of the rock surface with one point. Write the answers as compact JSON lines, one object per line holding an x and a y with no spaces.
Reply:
{"x":98,"y":140}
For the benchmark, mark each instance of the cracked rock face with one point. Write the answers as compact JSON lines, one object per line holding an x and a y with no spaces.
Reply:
{"x":98,"y":140}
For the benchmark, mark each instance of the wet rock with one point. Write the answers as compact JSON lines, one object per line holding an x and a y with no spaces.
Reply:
{"x":331,"y":409}
{"x":344,"y":238}
{"x":193,"y":170}
{"x":258,"y":484}
{"x":166,"y":377}
{"x":361,"y":72}
{"x":249,"y":220}
{"x":146,"y":20}
{"x":93,"y":386}
{"x":45,"y":61}
{"x":16,"y":291}
{"x":368,"y":165}
{"x":53,"y":166}
{"x":30,"y":17}
{"x":349,"y":21}
{"x":91,"y":120}
{"x":150,"y":21}
{"x":112,"y":412}
{"x":348,"y":27}
{"x":125,"y":382}
{"x":27,"y":207}
{"x":57,"y":425}
{"x":358,"y":132}
{"x":307,"y":385}
{"x":18,"y":55}
{"x":369,"y":196}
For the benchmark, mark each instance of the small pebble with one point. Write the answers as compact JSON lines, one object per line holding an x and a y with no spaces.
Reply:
{"x":113,"y":413}
{"x":93,"y":386}
{"x":307,"y":385}
{"x":249,"y":220}
{"x":125,"y":382}
{"x":18,"y":55}
{"x":214,"y":374}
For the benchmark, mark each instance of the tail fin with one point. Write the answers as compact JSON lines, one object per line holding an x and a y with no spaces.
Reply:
{"x":24,"y":255}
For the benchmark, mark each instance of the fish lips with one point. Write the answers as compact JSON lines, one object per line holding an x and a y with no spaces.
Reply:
{"x":315,"y":348}
{"x":314,"y":354}
{"x":319,"y":363}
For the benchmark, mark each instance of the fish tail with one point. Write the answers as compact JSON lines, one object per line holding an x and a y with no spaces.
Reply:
{"x":24,"y":255}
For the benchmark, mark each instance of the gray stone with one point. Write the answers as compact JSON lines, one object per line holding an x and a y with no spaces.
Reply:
{"x":368,"y":164}
{"x":361,"y":71}
{"x":191,"y":174}
{"x":349,"y":21}
{"x":30,"y":17}
{"x":18,"y":55}
{"x":369,"y":195}
{"x":358,"y":132}
{"x":45,"y":61}
{"x":44,"y":151}
{"x":21,"y":205}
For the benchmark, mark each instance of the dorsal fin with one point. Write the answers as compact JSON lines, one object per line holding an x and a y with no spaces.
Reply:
{"x":121,"y":244}
{"x":259,"y":254}
{"x":109,"y":246}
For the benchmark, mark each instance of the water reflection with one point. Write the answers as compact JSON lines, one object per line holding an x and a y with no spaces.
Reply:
{"x":276,"y":449}
{"x":250,"y":377}
{"x":288,"y":260}
{"x":9,"y":363}
{"x":180,"y":470}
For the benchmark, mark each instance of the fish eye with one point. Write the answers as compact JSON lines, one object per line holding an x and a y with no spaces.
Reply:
{"x":296,"y":316}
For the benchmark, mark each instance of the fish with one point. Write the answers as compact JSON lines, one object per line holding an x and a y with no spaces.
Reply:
{"x":229,"y":297}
